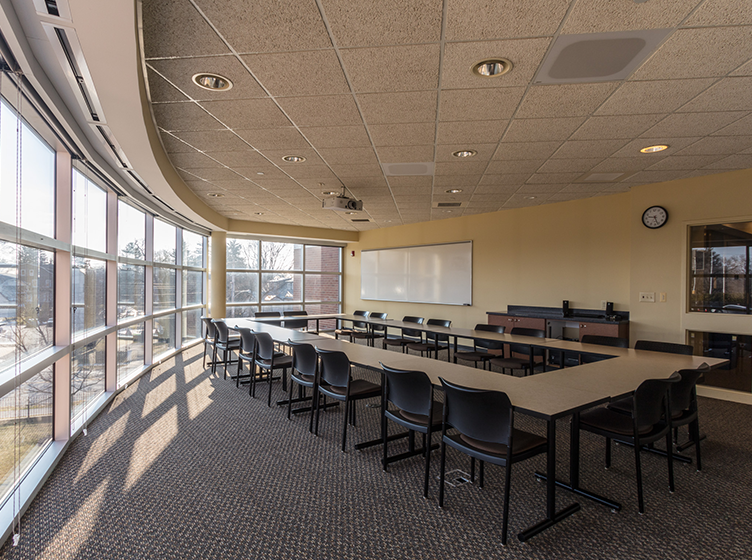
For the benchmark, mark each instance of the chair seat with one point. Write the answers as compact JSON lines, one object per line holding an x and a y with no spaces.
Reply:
{"x":398,"y":341}
{"x":513,"y":363}
{"x":231,"y":344}
{"x":624,"y":405}
{"x":279,"y":361}
{"x":358,"y":387}
{"x":361,"y":334}
{"x":473,"y":356}
{"x":522,"y":442}
{"x":611,"y":421}
{"x":426,"y":346}
{"x":422,"y":419}
{"x":305,"y":378}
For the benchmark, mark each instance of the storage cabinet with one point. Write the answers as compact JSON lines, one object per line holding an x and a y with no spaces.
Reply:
{"x":510,"y":322}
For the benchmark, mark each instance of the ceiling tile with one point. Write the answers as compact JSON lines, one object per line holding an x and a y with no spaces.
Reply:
{"x":692,"y":124}
{"x":739,"y":128}
{"x":524,"y":200}
{"x":405,"y":154}
{"x":260,"y":170}
{"x":459,"y":59}
{"x":367,"y":170}
{"x":175,"y":28}
{"x":191,"y":160}
{"x":579,"y":165}
{"x":396,"y":108}
{"x":215,"y":174}
{"x":565,"y":197}
{"x":180,"y":72}
{"x":460,"y":167}
{"x":514,"y":166}
{"x":402,"y":134}
{"x":410,"y":182}
{"x":321,"y":110}
{"x":387,"y":22}
{"x":160,"y":90}
{"x":173,"y":144}
{"x":659,"y":96}
{"x":319,"y":172}
{"x":268,"y":25}
{"x":411,"y":191}
{"x":375,"y":69}
{"x":481,"y":132}
{"x":348,"y":155}
{"x":184,"y":116}
{"x":485,"y":151}
{"x":738,"y":161}
{"x":646,"y":177}
{"x":274,"y":138}
{"x":503,"y":18}
{"x":721,"y":12}
{"x":582,"y":188}
{"x":499,"y":194}
{"x":213,"y":140}
{"x":247,"y":113}
{"x":696,"y":53}
{"x":240,"y":158}
{"x":456,"y":180}
{"x":299,"y":73}
{"x":688,"y":162}
{"x":337,"y":136}
{"x":729,"y":94}
{"x":596,"y":16}
{"x":589,"y":148}
{"x":538,"y":188}
{"x":624,"y":164}
{"x":552,"y":178}
{"x":717,"y":145}
{"x":501,"y":179}
{"x":566,"y":100}
{"x":541,"y":130}
{"x":617,"y":126}
{"x":525,"y":150}
{"x":275,"y":184}
{"x":477,"y":104}
{"x":632,"y":149}
{"x":743,"y":70}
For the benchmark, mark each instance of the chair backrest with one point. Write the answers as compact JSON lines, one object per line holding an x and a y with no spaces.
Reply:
{"x":438,"y":323}
{"x":377,"y":316}
{"x":524,"y":348}
{"x":668,"y":347}
{"x":360,"y":324}
{"x":649,"y":401}
{"x":335,"y":367}
{"x":612,"y":341}
{"x":479,"y":414}
{"x":295,"y":323}
{"x":247,"y":340}
{"x":412,"y":332}
{"x":408,"y":390}
{"x":304,"y":357}
{"x":223,"y":332}
{"x":489,"y":344}
{"x":683,"y":391}
{"x":211,"y":331}
{"x":261,"y":314}
{"x":264,"y":345}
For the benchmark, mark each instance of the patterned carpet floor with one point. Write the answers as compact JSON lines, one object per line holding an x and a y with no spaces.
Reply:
{"x":184,"y":465}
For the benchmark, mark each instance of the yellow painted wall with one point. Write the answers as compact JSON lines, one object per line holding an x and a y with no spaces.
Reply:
{"x":542,"y":255}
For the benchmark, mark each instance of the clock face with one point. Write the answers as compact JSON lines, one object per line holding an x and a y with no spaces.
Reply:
{"x":654,"y":217}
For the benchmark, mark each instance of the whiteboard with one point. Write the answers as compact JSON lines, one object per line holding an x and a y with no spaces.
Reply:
{"x":422,"y":274}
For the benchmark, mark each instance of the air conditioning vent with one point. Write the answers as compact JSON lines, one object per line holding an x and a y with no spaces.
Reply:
{"x":115,"y":150}
{"x":68,"y":51}
{"x":52,"y":7}
{"x":139,"y":181}
{"x":448,"y":204}
{"x":360,"y":220}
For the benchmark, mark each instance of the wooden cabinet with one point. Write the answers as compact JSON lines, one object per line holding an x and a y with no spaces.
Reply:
{"x":619,"y":330}
{"x":511,"y":322}
{"x":570,"y":328}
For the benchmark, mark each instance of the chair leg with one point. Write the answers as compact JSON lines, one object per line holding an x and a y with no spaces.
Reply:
{"x":638,"y":471}
{"x":289,"y":400}
{"x":206,"y":347}
{"x":694,"y":432}
{"x":505,"y":511}
{"x":442,"y":469}
{"x":427,"y":447}
{"x":214,"y":360}
{"x":384,"y":440}
{"x":472,"y":469}
{"x":670,"y":455}
{"x":608,"y":453}
{"x":480,"y":477}
{"x":348,"y":404}
{"x":314,"y":406}
{"x":269,"y":396}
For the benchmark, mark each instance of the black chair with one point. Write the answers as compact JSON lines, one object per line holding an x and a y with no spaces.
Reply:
{"x":411,"y":393}
{"x":224,"y":343}
{"x":305,"y":364}
{"x":667,"y":347}
{"x":407,"y":336}
{"x":356,"y":326}
{"x":435,"y":342}
{"x":611,"y":341}
{"x":648,"y":421}
{"x":482,"y":346}
{"x":484,"y":421}
{"x":246,"y":353}
{"x":296,"y":323}
{"x":373,"y":331}
{"x":267,"y":314}
{"x":512,"y":362}
{"x":335,"y":381}
{"x":209,"y":336}
{"x":267,"y":360}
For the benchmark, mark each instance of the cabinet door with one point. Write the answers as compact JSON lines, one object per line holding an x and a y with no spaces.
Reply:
{"x":600,"y":329}
{"x":511,"y":322}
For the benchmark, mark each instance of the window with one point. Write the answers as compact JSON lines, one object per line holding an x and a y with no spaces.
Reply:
{"x":87,"y":375}
{"x":193,"y":249}
{"x":89,"y":214}
{"x":193,"y":287}
{"x":131,"y":291}
{"x":191,"y":325}
{"x":163,"y":335}
{"x":130,"y":351}
{"x":131,"y":232}
{"x":164,"y":242}
{"x":243,"y":254}
{"x":736,"y":348}
{"x":88,"y":282}
{"x":164,"y":288}
{"x":720,"y":273}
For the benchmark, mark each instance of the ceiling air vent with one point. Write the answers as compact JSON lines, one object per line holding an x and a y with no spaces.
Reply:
{"x":52,"y":7}
{"x":360,"y":220}
{"x":449,"y":204}
{"x":114,"y":148}
{"x":69,"y":56}
{"x":397,"y":169}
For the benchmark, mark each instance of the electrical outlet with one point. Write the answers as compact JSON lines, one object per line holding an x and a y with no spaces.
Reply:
{"x":647,"y":297}
{"x":662,"y":297}
{"x":603,"y":304}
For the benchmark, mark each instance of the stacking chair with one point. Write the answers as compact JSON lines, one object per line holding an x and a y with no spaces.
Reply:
{"x":246,"y":353}
{"x":335,"y":381}
{"x":373,"y":332}
{"x":512,"y":363}
{"x":648,"y":421}
{"x":305,"y":363}
{"x":484,"y":421}
{"x":407,"y":336}
{"x":209,"y":336}
{"x":356,"y":326}
{"x":295,"y":323}
{"x":481,"y":347}
{"x":612,"y":341}
{"x":667,"y":347}
{"x":267,"y":360}
{"x":411,"y":393}
{"x":435,"y":342}
{"x":224,"y":343}
{"x":265,"y":314}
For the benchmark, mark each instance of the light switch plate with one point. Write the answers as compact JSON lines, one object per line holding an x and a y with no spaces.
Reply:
{"x":647,"y":297}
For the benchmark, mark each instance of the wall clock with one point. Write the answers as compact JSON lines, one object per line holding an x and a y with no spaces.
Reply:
{"x":654,"y":217}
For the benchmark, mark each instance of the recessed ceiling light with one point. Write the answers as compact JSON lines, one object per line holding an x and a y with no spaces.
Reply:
{"x":653,"y":149}
{"x":453,"y":191}
{"x":212,"y":82}
{"x":464,"y":153}
{"x":329,"y":193}
{"x":350,"y":212}
{"x":259,"y":213}
{"x":215,"y":195}
{"x":260,"y":173}
{"x":492,"y":67}
{"x":294,"y":159}
{"x":531,"y":197}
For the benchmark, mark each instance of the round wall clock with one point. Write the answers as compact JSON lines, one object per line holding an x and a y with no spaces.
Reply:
{"x":654,"y":217}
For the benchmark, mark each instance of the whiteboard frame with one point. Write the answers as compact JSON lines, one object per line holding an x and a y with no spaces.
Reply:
{"x":470,"y":242}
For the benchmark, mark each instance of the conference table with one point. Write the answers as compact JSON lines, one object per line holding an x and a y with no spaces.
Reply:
{"x":548,"y":396}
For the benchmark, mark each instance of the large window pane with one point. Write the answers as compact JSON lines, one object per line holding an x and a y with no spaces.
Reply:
{"x":164,"y":288}
{"x":736,"y":348}
{"x":321,"y":308}
{"x":281,"y":256}
{"x":88,"y":287}
{"x":87,"y":375}
{"x":193,"y":287}
{"x":164,"y":242}
{"x":163,"y":335}
{"x":130,"y":351}
{"x":27,"y":292}
{"x":36,"y":177}
{"x":243,"y":253}
{"x":242,"y":287}
{"x":240,"y":311}
{"x":89,"y":214}
{"x":24,"y":430}
{"x":191,"y":324}
{"x":278,"y":286}
{"x":193,"y":249}
{"x":322,"y":259}
{"x":131,"y":291}
{"x":321,"y":287}
{"x":131,"y":231}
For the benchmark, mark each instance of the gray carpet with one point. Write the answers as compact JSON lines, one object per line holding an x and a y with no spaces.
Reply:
{"x":184,"y":465}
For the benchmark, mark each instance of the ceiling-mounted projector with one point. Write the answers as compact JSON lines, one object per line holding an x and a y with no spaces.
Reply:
{"x":342,"y":204}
